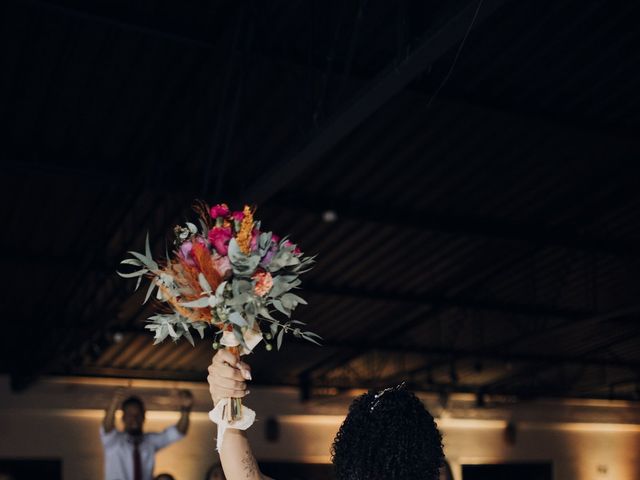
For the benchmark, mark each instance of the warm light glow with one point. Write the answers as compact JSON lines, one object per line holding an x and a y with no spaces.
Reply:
{"x":470,"y":423}
{"x":585,"y":427}
{"x":152,"y":415}
{"x":312,"y":419}
{"x":126,"y":382}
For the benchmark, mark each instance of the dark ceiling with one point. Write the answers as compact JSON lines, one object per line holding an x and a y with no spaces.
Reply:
{"x":481,"y":157}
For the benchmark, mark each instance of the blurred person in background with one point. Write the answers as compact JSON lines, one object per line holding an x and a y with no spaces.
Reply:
{"x":130,"y":454}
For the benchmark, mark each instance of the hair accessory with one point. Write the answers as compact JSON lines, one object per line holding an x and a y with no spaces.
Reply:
{"x":377,"y":397}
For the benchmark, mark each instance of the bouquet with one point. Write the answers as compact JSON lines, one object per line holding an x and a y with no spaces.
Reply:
{"x":227,"y":274}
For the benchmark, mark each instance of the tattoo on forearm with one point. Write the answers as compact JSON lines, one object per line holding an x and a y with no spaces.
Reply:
{"x":250,"y":465}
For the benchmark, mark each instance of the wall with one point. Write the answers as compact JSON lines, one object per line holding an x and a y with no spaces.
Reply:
{"x":59,"y":418}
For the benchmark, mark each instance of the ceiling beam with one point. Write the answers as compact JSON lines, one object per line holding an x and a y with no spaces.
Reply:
{"x":453,"y":354}
{"x":531,"y":372}
{"x":333,"y":362}
{"x":457,"y":225}
{"x":455,"y":301}
{"x":395,"y":78}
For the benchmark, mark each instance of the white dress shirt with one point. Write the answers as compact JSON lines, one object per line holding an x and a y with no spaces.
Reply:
{"x":118,"y":452}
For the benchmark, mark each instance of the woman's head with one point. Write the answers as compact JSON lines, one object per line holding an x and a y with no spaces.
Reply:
{"x":388,"y":435}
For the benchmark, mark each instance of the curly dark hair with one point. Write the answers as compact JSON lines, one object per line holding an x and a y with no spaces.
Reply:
{"x":388,"y":435}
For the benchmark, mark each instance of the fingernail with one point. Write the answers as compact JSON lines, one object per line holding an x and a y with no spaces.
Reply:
{"x":247,"y":392}
{"x":247,"y":375}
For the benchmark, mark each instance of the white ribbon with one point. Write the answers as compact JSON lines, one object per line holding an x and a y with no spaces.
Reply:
{"x":217,"y":416}
{"x":251,"y":339}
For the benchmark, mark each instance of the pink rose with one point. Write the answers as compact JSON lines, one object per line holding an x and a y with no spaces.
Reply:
{"x":275,"y":239}
{"x":220,"y":210}
{"x":219,"y":238}
{"x":237,"y":216}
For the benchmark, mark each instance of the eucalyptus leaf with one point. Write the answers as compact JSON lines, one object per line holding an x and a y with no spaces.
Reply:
{"x":199,"y":303}
{"x":274,"y":328}
{"x":264,"y":243}
{"x":291,"y":301}
{"x":147,"y":246}
{"x":200,"y":328}
{"x":147,"y":261}
{"x":238,"y":334}
{"x":239,"y":299}
{"x":240,"y":286}
{"x":137,"y":273}
{"x":189,"y":337}
{"x":278,"y":306}
{"x":237,"y":319}
{"x":220,"y":289}
{"x":172,"y":331}
{"x":131,"y":261}
{"x":264,"y":313}
{"x":279,"y":339}
{"x":306,"y":336}
{"x":152,"y":285}
{"x":251,"y":319}
{"x":204,"y":283}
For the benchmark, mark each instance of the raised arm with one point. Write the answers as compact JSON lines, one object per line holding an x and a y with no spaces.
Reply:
{"x":186,"y":403}
{"x":227,"y":379}
{"x":109,"y":421}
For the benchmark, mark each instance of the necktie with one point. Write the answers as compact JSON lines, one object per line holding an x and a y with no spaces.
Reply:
{"x":137,"y":463}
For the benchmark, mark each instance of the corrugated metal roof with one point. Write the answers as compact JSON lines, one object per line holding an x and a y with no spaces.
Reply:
{"x":483,"y":237}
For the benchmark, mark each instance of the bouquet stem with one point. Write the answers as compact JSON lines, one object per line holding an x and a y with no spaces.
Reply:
{"x":233,"y":410}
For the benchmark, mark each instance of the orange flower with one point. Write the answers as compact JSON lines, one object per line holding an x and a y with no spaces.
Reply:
{"x":264,"y":282}
{"x":244,"y":235}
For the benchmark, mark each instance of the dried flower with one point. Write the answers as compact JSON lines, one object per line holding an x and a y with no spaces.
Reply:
{"x":246,"y":229}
